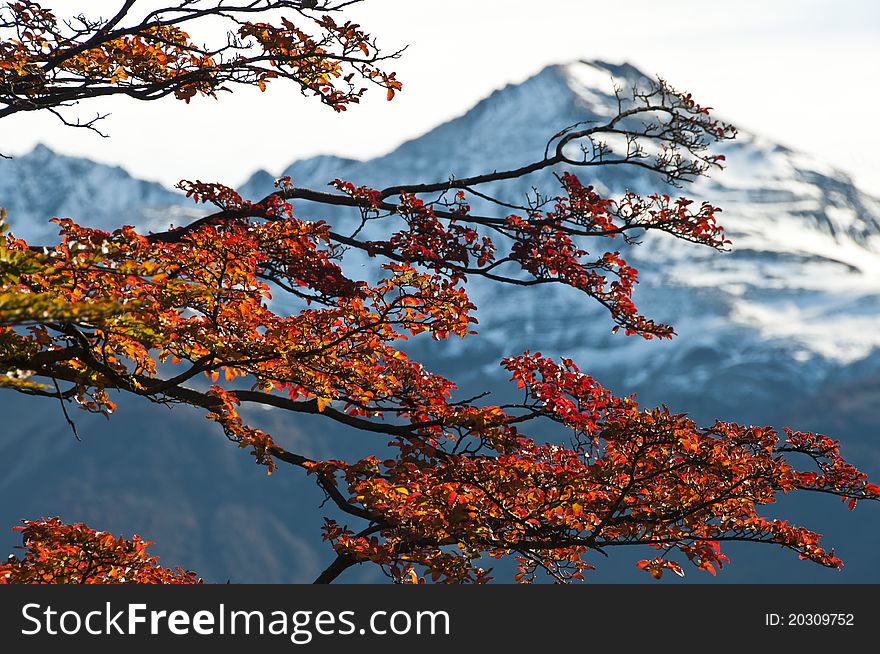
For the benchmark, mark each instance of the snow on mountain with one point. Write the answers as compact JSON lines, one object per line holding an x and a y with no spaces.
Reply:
{"x":796,"y":298}
{"x":41,"y":185}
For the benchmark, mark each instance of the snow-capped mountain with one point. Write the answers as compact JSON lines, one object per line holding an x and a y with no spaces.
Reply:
{"x":797,"y":297}
{"x":41,"y":185}
{"x":782,"y":329}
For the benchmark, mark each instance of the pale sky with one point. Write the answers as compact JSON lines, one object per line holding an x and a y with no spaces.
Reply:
{"x":802,"y":72}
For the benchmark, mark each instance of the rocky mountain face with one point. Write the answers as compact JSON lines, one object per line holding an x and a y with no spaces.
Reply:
{"x":41,"y":185}
{"x":783,"y":329}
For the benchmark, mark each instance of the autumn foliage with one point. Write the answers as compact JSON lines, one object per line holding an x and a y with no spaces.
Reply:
{"x":192,"y":315}
{"x":74,"y":554}
{"x":47,"y":63}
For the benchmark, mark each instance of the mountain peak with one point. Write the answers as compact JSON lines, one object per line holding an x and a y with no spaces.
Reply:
{"x":43,"y":184}
{"x":40,"y":153}
{"x":599,"y":76}
{"x":41,"y":149}
{"x":323,"y":168}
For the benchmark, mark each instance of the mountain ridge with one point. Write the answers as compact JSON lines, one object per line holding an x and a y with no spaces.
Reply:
{"x":782,"y":328}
